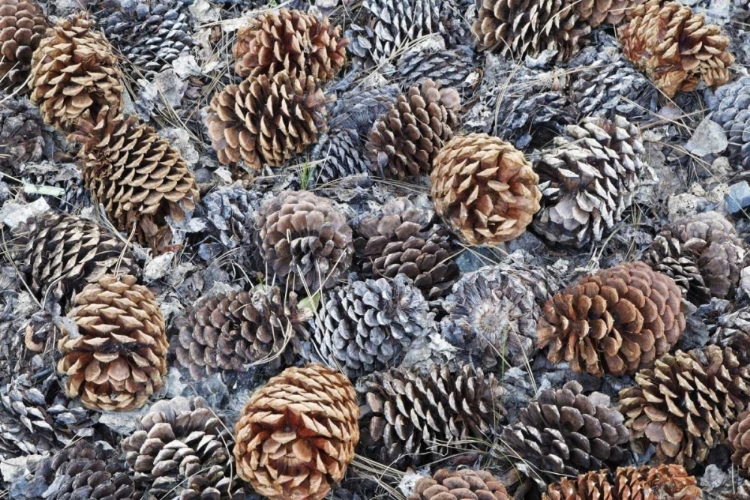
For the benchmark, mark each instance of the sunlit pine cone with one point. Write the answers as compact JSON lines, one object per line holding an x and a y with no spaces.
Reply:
{"x":675,"y":47}
{"x":685,"y":404}
{"x":22,"y":26}
{"x":464,"y":484}
{"x":739,"y":442}
{"x":484,"y":189}
{"x":118,"y":356}
{"x":296,"y":434}
{"x":616,"y":322}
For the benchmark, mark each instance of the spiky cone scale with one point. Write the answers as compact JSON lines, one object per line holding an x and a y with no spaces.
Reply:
{"x":118,"y":357}
{"x":304,"y":240}
{"x":22,"y":26}
{"x":296,"y":434}
{"x":685,"y":404}
{"x":409,"y":416}
{"x":404,"y":142}
{"x":617,"y":321}
{"x":291,"y":41}
{"x":74,"y":77}
{"x":484,"y":189}
{"x":738,"y":440}
{"x":266,"y":119}
{"x":464,"y":484}
{"x":675,"y":48}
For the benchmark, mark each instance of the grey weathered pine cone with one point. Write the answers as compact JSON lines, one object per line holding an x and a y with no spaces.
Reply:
{"x":733,"y":330}
{"x":183,"y":451}
{"x":666,"y":256}
{"x":231,"y":212}
{"x":22,"y":136}
{"x":565,"y":432}
{"x":357,"y":109}
{"x":304,"y":240}
{"x":338,"y":154}
{"x":588,"y":178}
{"x":449,"y":68}
{"x":409,"y":417}
{"x":733,"y":114}
{"x":741,"y":493}
{"x":369,"y":325}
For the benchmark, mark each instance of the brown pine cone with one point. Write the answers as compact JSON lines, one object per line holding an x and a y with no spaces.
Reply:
{"x":485,"y":189}
{"x":739,"y":441}
{"x":464,"y":484}
{"x":686,"y":402}
{"x":22,"y":26}
{"x":607,"y":11}
{"x":304,"y":240}
{"x":405,"y":140}
{"x":266,"y":119}
{"x":74,"y":76}
{"x":297,"y":434}
{"x":616,"y":322}
{"x":675,"y":48}
{"x":291,"y":41}
{"x":118,"y":356}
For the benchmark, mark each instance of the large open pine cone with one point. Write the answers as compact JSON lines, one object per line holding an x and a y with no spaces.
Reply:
{"x":405,"y":141}
{"x":118,"y":356}
{"x":305,"y":240}
{"x":588,"y":178}
{"x":297,"y":434}
{"x":686,"y":402}
{"x":22,"y":25}
{"x":565,"y":432}
{"x":739,"y":441}
{"x":74,"y":76}
{"x":464,"y":484}
{"x":484,"y":188}
{"x":675,"y":48}
{"x":291,"y":41}
{"x":410,"y":417}
{"x":615,"y":322}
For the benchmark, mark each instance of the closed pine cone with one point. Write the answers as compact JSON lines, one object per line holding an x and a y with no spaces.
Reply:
{"x":485,"y":189}
{"x":686,"y":402}
{"x":119,"y":356}
{"x":22,"y":26}
{"x":304,"y":240}
{"x":739,"y":441}
{"x":405,"y":141}
{"x":675,"y":47}
{"x":291,"y":41}
{"x":464,"y":484}
{"x":614,"y":322}
{"x":297,"y":434}
{"x":74,"y":77}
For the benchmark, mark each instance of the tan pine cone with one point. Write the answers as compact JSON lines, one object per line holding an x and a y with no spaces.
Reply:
{"x":297,"y":434}
{"x":74,"y":76}
{"x":266,"y":119}
{"x":615,"y":322}
{"x":675,"y":47}
{"x":739,"y":442}
{"x":597,"y":12}
{"x":484,"y":188}
{"x":464,"y":484}
{"x":407,"y":138}
{"x":118,"y":356}
{"x":684,"y":404}
{"x":22,"y":26}
{"x":291,"y":41}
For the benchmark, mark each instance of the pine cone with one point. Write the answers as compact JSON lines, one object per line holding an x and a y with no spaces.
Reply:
{"x":448,"y":68}
{"x":63,"y":253}
{"x":733,"y":115}
{"x":665,"y":255}
{"x":629,"y":483}
{"x":296,"y":435}
{"x":685,"y":404}
{"x":338,"y":154}
{"x":733,"y":331}
{"x":22,"y":26}
{"x":616,"y":321}
{"x":74,"y":77}
{"x":743,"y":492}
{"x":739,"y":442}
{"x":358,"y":109}
{"x":305,"y":240}
{"x":369,"y":325}
{"x":229,"y":332}
{"x":291,"y":41}
{"x":266,"y":119}
{"x":405,"y":141}
{"x":484,"y":188}
{"x":138,"y":177}
{"x":675,"y":48}
{"x":565,"y":432}
{"x":118,"y":356}
{"x":403,"y":240}
{"x":22,"y":135}
{"x":409,"y":417}
{"x":231,"y":212}
{"x":464,"y":484}
{"x":588,"y":179}
{"x":183,"y":452}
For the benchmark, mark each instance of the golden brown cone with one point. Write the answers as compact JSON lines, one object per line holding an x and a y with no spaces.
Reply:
{"x":484,"y":188}
{"x":739,"y":442}
{"x":22,"y":26}
{"x":464,"y":484}
{"x":297,"y":433}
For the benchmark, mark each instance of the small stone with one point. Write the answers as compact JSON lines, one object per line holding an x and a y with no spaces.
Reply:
{"x":738,"y":197}
{"x":158,"y":267}
{"x":709,"y":138}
